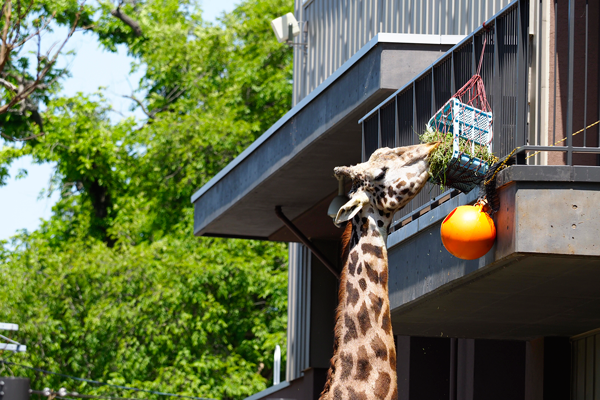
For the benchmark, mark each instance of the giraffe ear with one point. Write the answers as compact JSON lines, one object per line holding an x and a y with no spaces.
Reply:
{"x":351,"y":208}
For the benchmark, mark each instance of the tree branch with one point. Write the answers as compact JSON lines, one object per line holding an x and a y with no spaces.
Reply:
{"x":4,"y":135}
{"x":28,"y":90}
{"x":127,"y":20}
{"x":148,"y":114}
{"x":5,"y":49}
{"x":8,"y":85}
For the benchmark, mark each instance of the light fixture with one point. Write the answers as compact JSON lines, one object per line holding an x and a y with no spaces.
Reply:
{"x":285,"y":28}
{"x":339,"y":200}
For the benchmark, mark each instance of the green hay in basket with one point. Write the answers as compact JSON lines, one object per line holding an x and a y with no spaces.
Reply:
{"x":441,"y":157}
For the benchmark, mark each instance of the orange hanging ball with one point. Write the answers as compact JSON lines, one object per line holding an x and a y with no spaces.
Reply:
{"x":468,"y":232}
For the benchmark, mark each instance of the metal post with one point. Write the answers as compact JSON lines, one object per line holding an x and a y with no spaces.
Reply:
{"x":363,"y":152}
{"x":414,"y":111}
{"x":379,"y":138}
{"x":433,"y":109}
{"x":277,"y":366}
{"x":452,"y":75}
{"x":396,"y":123}
{"x":522,"y":79}
{"x":569,"y":127}
{"x":585,"y":86}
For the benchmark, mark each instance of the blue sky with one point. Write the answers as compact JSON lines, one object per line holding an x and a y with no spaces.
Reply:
{"x":23,"y":202}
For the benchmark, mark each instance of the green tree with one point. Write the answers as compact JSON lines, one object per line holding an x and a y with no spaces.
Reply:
{"x":114,"y":286}
{"x":28,"y":79}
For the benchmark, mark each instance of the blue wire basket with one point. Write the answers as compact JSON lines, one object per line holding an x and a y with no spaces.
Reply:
{"x":464,"y":171}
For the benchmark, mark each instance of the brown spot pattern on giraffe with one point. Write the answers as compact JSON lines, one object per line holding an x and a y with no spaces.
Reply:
{"x":376,"y":305}
{"x":382,"y":385}
{"x":359,"y":270}
{"x":394,"y":394}
{"x":379,"y":348}
{"x":383,"y":278}
{"x":364,"y":322}
{"x":386,"y":324}
{"x":363,"y":367}
{"x":352,"y":333}
{"x":352,"y":395}
{"x":364,"y":229}
{"x":347,"y":364}
{"x":371,"y":249}
{"x":352,"y":263}
{"x":352,"y":294}
{"x":337,"y":394}
{"x":363,"y":284}
{"x":371,"y":273}
{"x":393,"y":359}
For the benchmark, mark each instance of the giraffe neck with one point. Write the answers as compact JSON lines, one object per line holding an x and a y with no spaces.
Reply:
{"x":364,"y":361}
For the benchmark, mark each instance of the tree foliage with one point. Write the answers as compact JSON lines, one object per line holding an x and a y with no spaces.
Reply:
{"x":114,"y":286}
{"x":28,"y":79}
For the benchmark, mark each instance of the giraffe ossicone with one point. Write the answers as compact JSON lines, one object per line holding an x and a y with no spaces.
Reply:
{"x":363,"y":366}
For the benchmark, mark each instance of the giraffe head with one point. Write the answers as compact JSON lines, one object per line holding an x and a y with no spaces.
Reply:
{"x":387,"y":182}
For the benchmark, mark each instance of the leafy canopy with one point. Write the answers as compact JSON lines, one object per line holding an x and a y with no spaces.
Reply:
{"x":114,"y":286}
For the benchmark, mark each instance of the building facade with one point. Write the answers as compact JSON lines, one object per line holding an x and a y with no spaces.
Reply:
{"x":522,"y":321}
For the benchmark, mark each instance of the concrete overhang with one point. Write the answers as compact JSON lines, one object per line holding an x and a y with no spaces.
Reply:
{"x":540,"y":279}
{"x":291,"y":165}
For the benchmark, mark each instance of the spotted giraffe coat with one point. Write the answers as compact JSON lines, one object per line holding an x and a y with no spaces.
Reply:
{"x":363,"y":366}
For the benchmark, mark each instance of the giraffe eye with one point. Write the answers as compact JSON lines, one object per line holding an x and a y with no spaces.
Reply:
{"x":381,"y":174}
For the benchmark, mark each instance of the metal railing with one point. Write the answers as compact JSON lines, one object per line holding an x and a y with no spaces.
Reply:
{"x":539,"y":87}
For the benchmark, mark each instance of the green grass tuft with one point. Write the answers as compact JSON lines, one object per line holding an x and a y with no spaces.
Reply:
{"x":441,"y":157}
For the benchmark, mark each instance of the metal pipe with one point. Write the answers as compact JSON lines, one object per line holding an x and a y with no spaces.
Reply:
{"x":305,"y":241}
{"x":585,"y":85}
{"x":569,"y":126}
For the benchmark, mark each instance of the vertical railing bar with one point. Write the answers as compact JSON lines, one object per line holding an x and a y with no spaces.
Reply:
{"x":555,"y":61}
{"x":452,"y":77}
{"x":396,"y":123}
{"x":521,"y":71}
{"x":432,"y":89}
{"x":379,"y":138}
{"x":569,"y":126}
{"x":585,"y":88}
{"x":414,"y":110}
{"x":414,"y":123}
{"x":538,"y":33}
{"x":362,"y":156}
{"x":473,"y":57}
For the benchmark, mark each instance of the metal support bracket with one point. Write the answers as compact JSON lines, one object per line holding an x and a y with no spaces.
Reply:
{"x":305,"y":241}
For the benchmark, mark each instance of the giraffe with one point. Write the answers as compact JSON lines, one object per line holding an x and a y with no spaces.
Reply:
{"x":363,"y":366}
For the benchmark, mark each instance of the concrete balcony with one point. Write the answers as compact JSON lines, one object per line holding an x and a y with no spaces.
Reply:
{"x":540,"y":279}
